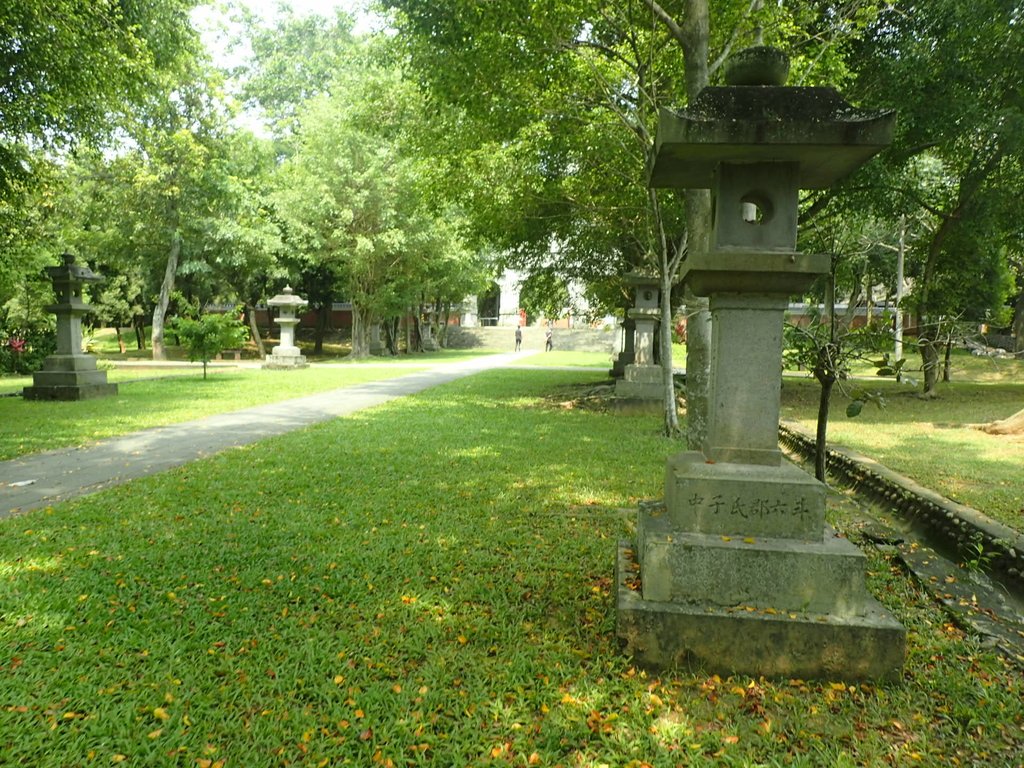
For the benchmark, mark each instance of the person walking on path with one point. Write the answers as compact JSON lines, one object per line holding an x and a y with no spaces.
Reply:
{"x":519,"y":337}
{"x":547,"y":340}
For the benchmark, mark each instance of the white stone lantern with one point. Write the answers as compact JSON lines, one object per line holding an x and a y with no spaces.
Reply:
{"x":286,"y":354}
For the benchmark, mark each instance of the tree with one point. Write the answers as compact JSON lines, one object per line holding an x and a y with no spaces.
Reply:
{"x":293,"y":60}
{"x":561,"y":153}
{"x":827,"y":348}
{"x":179,"y":208}
{"x":356,"y":203}
{"x":952,"y":71}
{"x":544,"y":294}
{"x":70,"y":71}
{"x":208,"y":336}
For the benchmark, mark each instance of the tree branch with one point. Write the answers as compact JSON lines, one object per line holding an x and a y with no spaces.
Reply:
{"x":727,"y":50}
{"x":671,"y":24}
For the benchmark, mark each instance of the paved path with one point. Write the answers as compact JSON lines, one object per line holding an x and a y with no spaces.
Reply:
{"x":39,"y":480}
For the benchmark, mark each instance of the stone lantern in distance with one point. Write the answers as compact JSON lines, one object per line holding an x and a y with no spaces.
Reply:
{"x":737,"y":570}
{"x":286,"y":354}
{"x":70,"y":373}
{"x":642,"y":379}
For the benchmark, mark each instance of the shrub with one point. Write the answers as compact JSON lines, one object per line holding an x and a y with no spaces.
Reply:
{"x":208,"y":336}
{"x":22,"y":351}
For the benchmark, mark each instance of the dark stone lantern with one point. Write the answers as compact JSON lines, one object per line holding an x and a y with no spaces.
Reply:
{"x":70,"y":373}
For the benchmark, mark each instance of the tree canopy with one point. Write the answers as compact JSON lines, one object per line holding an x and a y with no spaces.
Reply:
{"x":521,"y":130}
{"x":71,"y":71}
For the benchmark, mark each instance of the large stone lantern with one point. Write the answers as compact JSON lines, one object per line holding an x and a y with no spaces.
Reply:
{"x":286,"y":354}
{"x":737,"y":570}
{"x":70,"y":373}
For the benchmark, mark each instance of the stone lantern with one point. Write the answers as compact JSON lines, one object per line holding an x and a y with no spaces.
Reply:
{"x":70,"y":373}
{"x":737,"y":571}
{"x":286,"y":354}
{"x":643,"y":380}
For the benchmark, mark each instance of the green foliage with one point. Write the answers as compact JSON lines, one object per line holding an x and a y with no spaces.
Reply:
{"x":544,"y":294}
{"x":73,"y":70}
{"x":23,"y":350}
{"x":209,"y":335}
{"x":358,"y":208}
{"x":293,"y":60}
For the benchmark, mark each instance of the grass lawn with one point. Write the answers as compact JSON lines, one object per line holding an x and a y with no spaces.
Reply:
{"x":433,"y":589}
{"x":31,"y":426}
{"x":565,"y":357}
{"x":931,"y":441}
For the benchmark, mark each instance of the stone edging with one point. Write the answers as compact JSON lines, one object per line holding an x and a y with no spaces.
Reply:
{"x":956,"y":526}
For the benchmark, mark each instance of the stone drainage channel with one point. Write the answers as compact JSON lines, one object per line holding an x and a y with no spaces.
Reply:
{"x":972,"y":565}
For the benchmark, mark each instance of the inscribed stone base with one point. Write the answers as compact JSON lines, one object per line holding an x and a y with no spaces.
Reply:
{"x":665,"y":635}
{"x":742,"y":499}
{"x":281,"y":362}
{"x":826,"y":576}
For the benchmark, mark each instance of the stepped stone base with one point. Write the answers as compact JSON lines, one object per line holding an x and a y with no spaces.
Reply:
{"x":747,"y":641}
{"x":641,"y":382}
{"x":69,"y":377}
{"x":826,"y":576}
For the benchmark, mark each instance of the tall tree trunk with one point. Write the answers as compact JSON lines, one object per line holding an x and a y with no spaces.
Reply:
{"x":1018,"y":324}
{"x":139,"y":327}
{"x":391,"y":335}
{"x":321,"y":328}
{"x":665,"y":352}
{"x":930,"y":364}
{"x":442,"y":330}
{"x":254,"y":331}
{"x":827,"y":381}
{"x":120,"y":339}
{"x":414,"y":334}
{"x":361,"y":320}
{"x":160,"y":310}
{"x":695,"y":33}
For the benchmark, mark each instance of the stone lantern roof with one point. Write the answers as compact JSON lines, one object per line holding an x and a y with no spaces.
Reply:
{"x":767,"y":122}
{"x":287,"y":299}
{"x":70,"y":272}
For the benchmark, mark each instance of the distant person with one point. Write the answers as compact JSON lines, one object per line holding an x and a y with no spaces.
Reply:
{"x":547,"y":340}
{"x":519,"y":337}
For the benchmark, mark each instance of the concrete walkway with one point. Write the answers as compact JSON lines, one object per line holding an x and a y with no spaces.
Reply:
{"x":41,"y":479}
